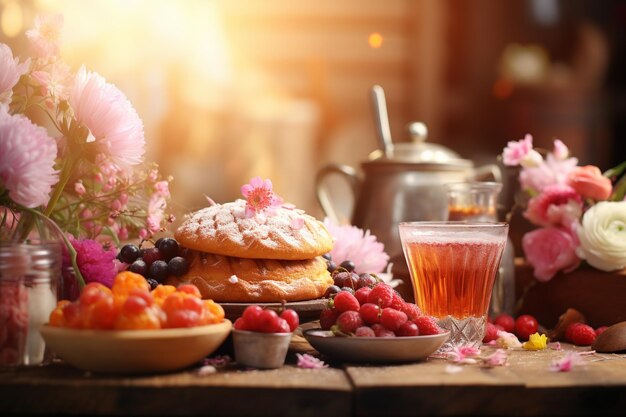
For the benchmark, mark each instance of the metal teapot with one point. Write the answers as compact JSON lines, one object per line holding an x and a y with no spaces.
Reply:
{"x":400,"y":182}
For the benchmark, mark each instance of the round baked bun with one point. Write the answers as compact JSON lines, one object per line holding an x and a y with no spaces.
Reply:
{"x":224,"y":229}
{"x":239,"y":280}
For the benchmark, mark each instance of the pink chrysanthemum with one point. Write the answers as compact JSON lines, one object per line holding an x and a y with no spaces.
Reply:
{"x":46,"y":35}
{"x":259,"y":196}
{"x":356,"y":245}
{"x":27,"y":156}
{"x":549,"y":172}
{"x":55,"y":82}
{"x":96,"y":263}
{"x":109,"y":116}
{"x":516,"y":151}
{"x":10,"y":72}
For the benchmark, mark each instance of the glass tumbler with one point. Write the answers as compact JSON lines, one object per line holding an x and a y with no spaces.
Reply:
{"x":453,"y":266}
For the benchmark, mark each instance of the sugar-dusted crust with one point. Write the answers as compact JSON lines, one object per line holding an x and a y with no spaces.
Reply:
{"x":223,"y":229}
{"x":239,"y":280}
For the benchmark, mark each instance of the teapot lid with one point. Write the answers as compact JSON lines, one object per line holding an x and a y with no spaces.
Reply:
{"x":419,"y":151}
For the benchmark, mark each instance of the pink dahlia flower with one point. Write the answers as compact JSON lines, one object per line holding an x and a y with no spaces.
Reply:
{"x":361,"y":247}
{"x":109,"y":116}
{"x":27,"y":156}
{"x":10,"y":72}
{"x":45,"y":37}
{"x":550,"y":250}
{"x":260,"y":197}
{"x":557,"y":205}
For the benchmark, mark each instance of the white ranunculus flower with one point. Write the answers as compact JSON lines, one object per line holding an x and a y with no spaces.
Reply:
{"x":603,"y":236}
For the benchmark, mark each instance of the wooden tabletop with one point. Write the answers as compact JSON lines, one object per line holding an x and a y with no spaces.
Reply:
{"x":525,"y":387}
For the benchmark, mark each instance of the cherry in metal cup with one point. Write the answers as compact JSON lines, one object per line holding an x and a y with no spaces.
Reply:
{"x":453,"y":266}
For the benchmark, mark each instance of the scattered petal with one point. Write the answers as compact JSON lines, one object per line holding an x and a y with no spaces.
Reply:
{"x":566,"y":363}
{"x":307,"y":361}
{"x":498,"y":358}
{"x":507,"y":340}
{"x":555,"y":346}
{"x":453,"y":369}
{"x":206,"y":370}
{"x":463,"y":354}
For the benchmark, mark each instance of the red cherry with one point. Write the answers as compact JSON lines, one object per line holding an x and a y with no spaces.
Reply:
{"x":292,"y":318}
{"x":525,"y":325}
{"x":506,"y":321}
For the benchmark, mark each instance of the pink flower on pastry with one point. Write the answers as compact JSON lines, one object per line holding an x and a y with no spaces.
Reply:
{"x":550,"y":250}
{"x":556,"y":205}
{"x":589,"y":182}
{"x":260,"y":197}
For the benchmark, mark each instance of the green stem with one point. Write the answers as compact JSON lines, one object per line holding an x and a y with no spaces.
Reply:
{"x":66,"y":172}
{"x":70,"y":248}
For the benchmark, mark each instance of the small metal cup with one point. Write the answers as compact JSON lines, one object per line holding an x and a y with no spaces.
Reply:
{"x":260,"y":350}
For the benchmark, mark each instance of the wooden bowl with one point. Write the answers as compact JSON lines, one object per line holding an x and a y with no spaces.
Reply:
{"x":135,"y":351}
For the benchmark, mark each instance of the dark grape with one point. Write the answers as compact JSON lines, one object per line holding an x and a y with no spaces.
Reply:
{"x":128,"y":253}
{"x":177,"y":266}
{"x":331,"y":291}
{"x":153,"y":283}
{"x":158,"y":242}
{"x":149,"y":255}
{"x":158,"y":270}
{"x":348,"y":289}
{"x":327,"y":256}
{"x":341,"y":278}
{"x":366,"y":280}
{"x":331,"y":266}
{"x":348,"y":265}
{"x":139,"y":267}
{"x":168,"y":248}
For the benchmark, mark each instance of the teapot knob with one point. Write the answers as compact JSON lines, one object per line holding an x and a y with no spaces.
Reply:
{"x":418,"y":132}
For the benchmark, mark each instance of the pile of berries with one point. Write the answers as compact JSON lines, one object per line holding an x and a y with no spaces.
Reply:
{"x":345,"y":279}
{"x":522,"y":326}
{"x":377,"y":311}
{"x":265,"y":320}
{"x":131,"y":305}
{"x":156,"y":263}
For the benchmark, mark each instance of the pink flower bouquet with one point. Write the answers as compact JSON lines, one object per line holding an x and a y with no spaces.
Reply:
{"x":580,"y":211}
{"x":82,"y":171}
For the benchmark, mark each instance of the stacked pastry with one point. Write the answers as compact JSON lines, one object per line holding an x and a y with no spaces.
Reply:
{"x":268,"y":258}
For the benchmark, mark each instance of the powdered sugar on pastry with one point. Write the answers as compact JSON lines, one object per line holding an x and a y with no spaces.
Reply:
{"x":224,"y":229}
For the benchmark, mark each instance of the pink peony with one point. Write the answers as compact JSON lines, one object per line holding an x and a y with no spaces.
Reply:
{"x":550,"y":250}
{"x":259,"y":196}
{"x":354,"y":244}
{"x":109,"y":116}
{"x":557,"y":205}
{"x":10,"y":72}
{"x":45,"y":37}
{"x":27,"y":156}
{"x":552,"y":171}
{"x":589,"y":182}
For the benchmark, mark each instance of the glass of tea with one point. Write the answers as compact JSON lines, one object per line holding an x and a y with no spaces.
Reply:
{"x":453,"y":266}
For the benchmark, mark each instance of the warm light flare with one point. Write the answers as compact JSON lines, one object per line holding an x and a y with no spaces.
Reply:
{"x":375,"y":40}
{"x":12,"y":20}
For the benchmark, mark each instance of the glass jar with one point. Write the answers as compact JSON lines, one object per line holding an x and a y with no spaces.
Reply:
{"x":29,"y":276}
{"x":477,"y":202}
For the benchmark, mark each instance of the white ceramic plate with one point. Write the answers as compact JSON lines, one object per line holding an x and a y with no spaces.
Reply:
{"x":135,"y":351}
{"x":375,"y":349}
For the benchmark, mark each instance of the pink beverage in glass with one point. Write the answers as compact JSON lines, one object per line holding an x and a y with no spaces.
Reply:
{"x":453,"y":266}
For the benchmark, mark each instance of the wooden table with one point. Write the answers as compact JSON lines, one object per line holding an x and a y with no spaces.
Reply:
{"x":526,"y":387}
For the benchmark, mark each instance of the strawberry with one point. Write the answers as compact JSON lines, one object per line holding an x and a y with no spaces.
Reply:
{"x":600,"y":330}
{"x":328,"y":317}
{"x":569,"y":331}
{"x":411,"y":310}
{"x":582,"y":335}
{"x":392,"y":319}
{"x":344,"y":301}
{"x":427,"y":325}
{"x":381,"y":295}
